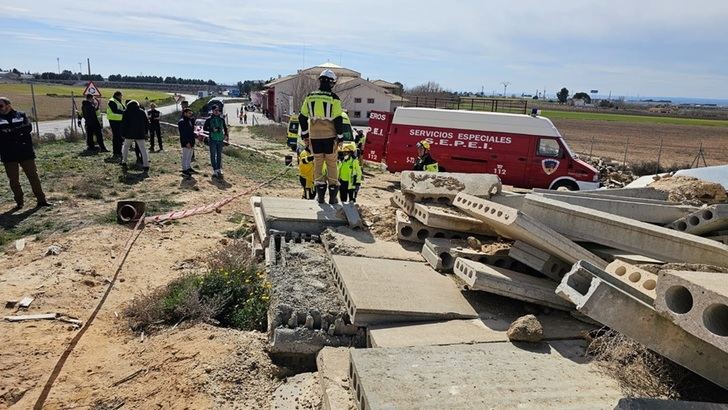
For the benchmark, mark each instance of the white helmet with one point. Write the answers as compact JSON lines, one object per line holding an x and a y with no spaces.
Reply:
{"x":328,"y":74}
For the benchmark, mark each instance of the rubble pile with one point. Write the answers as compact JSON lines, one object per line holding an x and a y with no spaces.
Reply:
{"x":612,"y":174}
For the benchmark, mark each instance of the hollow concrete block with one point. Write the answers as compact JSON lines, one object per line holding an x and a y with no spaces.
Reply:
{"x":706,"y":220}
{"x":442,"y":187}
{"x":697,"y":302}
{"x":441,"y":254}
{"x":509,"y":283}
{"x":404,"y":203}
{"x":539,"y":260}
{"x":412,"y":230}
{"x":514,"y":224}
{"x":606,"y":304}
{"x":643,"y":281}
{"x":446,"y":217}
{"x":590,"y":225}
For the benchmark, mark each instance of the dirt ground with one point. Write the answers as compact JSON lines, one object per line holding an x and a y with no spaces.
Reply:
{"x":680,"y":142}
{"x":198,"y":366}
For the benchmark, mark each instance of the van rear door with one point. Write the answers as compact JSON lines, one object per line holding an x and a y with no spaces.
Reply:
{"x":547,"y":161}
{"x":376,"y":143}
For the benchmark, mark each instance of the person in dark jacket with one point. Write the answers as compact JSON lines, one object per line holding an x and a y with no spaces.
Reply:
{"x":154,"y":127}
{"x":93,"y":125}
{"x":186,"y":127}
{"x":134,"y":127}
{"x":16,"y":151}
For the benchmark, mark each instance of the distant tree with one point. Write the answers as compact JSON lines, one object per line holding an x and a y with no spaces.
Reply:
{"x":427,"y":88}
{"x":583,"y":96}
{"x":563,"y":95}
{"x":400,"y":90}
{"x":15,"y":70}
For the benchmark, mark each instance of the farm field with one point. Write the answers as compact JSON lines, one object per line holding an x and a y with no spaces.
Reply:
{"x":628,"y":118}
{"x":54,"y":101}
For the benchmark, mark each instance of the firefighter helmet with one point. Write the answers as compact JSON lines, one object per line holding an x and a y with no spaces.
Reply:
{"x":328,"y":75}
{"x":424,"y":144}
{"x":348,"y":147}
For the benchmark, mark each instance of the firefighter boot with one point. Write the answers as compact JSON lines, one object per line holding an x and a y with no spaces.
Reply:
{"x":321,"y":193}
{"x":333,"y":193}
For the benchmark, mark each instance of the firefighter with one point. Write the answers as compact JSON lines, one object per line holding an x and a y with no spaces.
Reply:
{"x":305,"y":170}
{"x":114,"y":111}
{"x":320,"y":121}
{"x":350,"y":174}
{"x":360,"y":138}
{"x":425,"y":162}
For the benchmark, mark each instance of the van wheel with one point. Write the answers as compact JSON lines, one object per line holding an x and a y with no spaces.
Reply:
{"x":565,"y":185}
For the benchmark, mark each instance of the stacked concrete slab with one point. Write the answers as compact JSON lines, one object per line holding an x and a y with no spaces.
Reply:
{"x":441,"y":254}
{"x":703,"y":221}
{"x":539,"y":260}
{"x":442,"y":187}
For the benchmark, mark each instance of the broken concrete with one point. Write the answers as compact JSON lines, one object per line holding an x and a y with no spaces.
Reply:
{"x":412,"y":230}
{"x":539,"y":260}
{"x":509,"y":283}
{"x":445,"y":217}
{"x":300,"y":215}
{"x":645,"y":194}
{"x":441,"y":254}
{"x":610,"y":306}
{"x":480,"y":376}
{"x":697,"y":302}
{"x":706,"y":220}
{"x":623,"y":233}
{"x":653,"y":213}
{"x":442,"y":187}
{"x":297,"y":392}
{"x":346,"y":241}
{"x":430,"y":334}
{"x":387,"y":291}
{"x":351,"y":212}
{"x":639,"y":279}
{"x":332,"y":365}
{"x":516,"y":225}
{"x":260,"y":226}
{"x":402,"y":202}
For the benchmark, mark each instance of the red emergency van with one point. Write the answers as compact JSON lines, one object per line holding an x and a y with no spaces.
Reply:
{"x":523,"y":150}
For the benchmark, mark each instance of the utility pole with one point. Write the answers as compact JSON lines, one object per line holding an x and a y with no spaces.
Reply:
{"x":482,"y":91}
{"x":88,"y":63}
{"x":58,"y":61}
{"x":505,"y":87}
{"x":80,"y":73}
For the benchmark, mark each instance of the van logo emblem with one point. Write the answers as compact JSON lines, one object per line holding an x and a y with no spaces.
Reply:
{"x":549,"y":166}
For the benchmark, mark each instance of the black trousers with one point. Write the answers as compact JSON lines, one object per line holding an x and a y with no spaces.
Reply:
{"x":308,"y":193}
{"x":346,"y":192}
{"x":116,"y":140}
{"x":154,"y":128}
{"x":92,"y":131}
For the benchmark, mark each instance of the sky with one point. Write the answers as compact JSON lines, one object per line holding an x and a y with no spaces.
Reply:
{"x":628,"y":48}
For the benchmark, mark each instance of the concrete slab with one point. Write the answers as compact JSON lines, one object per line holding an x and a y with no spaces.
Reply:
{"x":653,"y":213}
{"x":300,"y":215}
{"x":402,"y":202}
{"x":260,"y":226}
{"x":719,"y":238}
{"x":297,"y":392}
{"x":346,"y":241}
{"x":697,"y":302}
{"x":446,"y":217}
{"x":380,"y":291}
{"x":509,"y":199}
{"x":480,"y":376}
{"x":644,"y":194}
{"x":442,"y":187}
{"x":703,"y":221}
{"x":611,"y":254}
{"x":332,"y":365}
{"x":509,"y":283}
{"x":441,"y":254}
{"x":642,"y":281}
{"x":623,"y":233}
{"x":412,"y":230}
{"x":610,"y":306}
{"x":351,"y":212}
{"x":535,"y":258}
{"x":511,"y":223}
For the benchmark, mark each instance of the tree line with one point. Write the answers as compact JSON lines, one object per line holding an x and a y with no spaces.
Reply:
{"x":149,"y":79}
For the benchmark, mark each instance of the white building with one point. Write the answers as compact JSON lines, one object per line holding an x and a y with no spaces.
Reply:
{"x":285,"y":95}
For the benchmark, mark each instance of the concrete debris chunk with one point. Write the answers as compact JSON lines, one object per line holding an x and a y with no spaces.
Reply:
{"x":643,"y":194}
{"x":300,"y":215}
{"x":442,"y":187}
{"x":437,"y":333}
{"x":380,"y":291}
{"x":642,"y":281}
{"x":525,"y":329}
{"x":611,"y":254}
{"x":612,"y":307}
{"x":401,"y":201}
{"x":697,"y":302}
{"x":352,"y":214}
{"x":509,"y":283}
{"x":412,"y":230}
{"x":480,"y":376}
{"x":445,"y":217}
{"x":703,"y":221}
{"x":511,"y":223}
{"x":346,"y":241}
{"x":590,"y":225}
{"x":539,"y":260}
{"x":54,"y":250}
{"x":332,"y":365}
{"x":441,"y":254}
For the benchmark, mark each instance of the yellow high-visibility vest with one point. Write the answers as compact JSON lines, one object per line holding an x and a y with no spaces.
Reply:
{"x":112,"y":116}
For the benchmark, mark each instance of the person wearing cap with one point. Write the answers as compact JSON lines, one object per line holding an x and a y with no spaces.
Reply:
{"x":134,"y":127}
{"x":349,"y":170}
{"x":114,"y":112}
{"x":154,"y":127}
{"x":320,"y":120}
{"x":305,"y":170}
{"x":90,"y":110}
{"x":425,"y":162}
{"x":16,"y":151}
{"x":216,"y":127}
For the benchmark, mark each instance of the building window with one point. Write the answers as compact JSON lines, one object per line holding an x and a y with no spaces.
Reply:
{"x":357,"y":100}
{"x":370,"y":100}
{"x":357,"y":114}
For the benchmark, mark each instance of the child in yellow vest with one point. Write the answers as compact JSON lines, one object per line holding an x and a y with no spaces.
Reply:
{"x":350,"y":174}
{"x":305,"y":171}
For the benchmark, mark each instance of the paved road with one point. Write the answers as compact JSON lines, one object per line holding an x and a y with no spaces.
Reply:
{"x":57,"y":126}
{"x":253,"y":117}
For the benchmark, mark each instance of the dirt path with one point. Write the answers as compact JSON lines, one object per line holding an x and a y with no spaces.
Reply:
{"x":188,"y":367}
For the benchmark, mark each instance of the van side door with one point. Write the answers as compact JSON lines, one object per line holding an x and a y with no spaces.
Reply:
{"x":546,"y":162}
